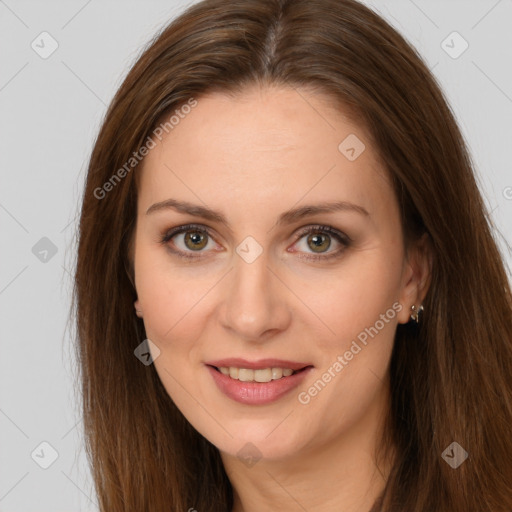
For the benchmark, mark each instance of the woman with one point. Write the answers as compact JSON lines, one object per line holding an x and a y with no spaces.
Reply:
{"x":288,"y":293}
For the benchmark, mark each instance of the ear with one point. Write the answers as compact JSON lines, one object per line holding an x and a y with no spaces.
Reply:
{"x":138,"y":308}
{"x":417,"y":276}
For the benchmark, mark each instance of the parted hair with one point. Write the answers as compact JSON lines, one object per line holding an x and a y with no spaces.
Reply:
{"x":451,"y":377}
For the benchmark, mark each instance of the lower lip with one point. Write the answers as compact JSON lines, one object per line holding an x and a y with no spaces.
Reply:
{"x":257,"y":393}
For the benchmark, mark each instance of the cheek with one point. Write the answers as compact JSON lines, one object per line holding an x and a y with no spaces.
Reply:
{"x":353,"y":296}
{"x":169,"y":296}
{"x":360,"y":306}
{"x":344,"y":300}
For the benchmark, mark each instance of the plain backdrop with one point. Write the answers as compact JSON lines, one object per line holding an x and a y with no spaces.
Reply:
{"x":51,"y":109}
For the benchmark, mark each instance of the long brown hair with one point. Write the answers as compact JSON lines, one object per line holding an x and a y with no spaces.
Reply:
{"x":451,"y":378}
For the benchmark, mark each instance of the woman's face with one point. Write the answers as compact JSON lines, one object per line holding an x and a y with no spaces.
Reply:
{"x":257,"y":286}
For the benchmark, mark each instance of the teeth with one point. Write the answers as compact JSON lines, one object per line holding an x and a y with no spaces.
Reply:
{"x":277,"y":373}
{"x":246,"y":375}
{"x":263,"y":375}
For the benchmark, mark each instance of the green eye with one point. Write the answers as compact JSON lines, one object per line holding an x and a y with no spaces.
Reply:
{"x":319,"y":240}
{"x":196,"y":239}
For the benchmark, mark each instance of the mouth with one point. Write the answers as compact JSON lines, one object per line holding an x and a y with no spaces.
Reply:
{"x":261,"y":375}
{"x":257,"y":383}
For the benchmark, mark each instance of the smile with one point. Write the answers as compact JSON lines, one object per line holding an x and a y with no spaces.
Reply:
{"x":249,"y":375}
{"x":257,"y":386}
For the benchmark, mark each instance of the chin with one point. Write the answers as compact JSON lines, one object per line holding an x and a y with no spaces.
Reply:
{"x":251,"y":442}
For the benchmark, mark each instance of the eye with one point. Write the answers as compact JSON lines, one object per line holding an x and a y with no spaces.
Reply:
{"x":196,"y":238}
{"x":319,"y":240}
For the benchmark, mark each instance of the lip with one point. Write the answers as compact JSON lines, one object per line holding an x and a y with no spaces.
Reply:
{"x":257,"y":393}
{"x":261,"y":364}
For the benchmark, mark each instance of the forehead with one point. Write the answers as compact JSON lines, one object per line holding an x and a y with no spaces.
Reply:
{"x":263,"y":145}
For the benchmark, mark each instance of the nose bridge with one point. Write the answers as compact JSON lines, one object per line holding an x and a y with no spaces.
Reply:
{"x":254,"y":304}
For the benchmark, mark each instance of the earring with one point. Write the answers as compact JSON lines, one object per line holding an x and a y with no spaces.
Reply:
{"x":415,"y":315}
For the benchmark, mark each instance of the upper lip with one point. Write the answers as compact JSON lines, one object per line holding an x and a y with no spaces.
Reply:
{"x":260,"y":364}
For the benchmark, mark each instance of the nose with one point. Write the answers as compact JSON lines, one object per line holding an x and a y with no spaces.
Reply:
{"x":256,"y":305}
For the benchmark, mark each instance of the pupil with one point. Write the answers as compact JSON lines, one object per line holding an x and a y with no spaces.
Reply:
{"x":317,"y":241}
{"x":196,"y":239}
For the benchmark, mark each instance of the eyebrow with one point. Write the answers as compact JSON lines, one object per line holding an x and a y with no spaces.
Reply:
{"x":287,"y":217}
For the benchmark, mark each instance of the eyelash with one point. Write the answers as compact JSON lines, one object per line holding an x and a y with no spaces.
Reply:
{"x":316,"y":229}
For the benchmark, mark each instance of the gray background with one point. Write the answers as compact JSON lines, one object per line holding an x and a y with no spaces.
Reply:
{"x":50,"y":113}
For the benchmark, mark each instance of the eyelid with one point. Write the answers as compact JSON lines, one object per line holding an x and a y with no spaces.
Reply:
{"x":178,"y":230}
{"x":170,"y":233}
{"x":341,"y":237}
{"x":323,"y":229}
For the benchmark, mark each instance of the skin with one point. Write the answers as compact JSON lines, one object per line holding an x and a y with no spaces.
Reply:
{"x":252,"y":157}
